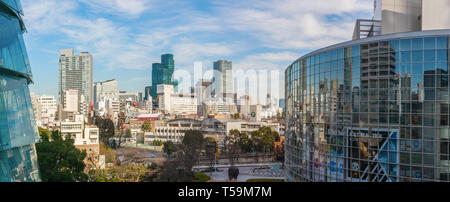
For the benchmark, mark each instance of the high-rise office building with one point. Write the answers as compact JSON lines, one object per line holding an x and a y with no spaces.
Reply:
{"x":75,"y":73}
{"x":162,"y":73}
{"x":18,"y":130}
{"x":105,"y":90}
{"x":222,"y":82}
{"x":373,"y":109}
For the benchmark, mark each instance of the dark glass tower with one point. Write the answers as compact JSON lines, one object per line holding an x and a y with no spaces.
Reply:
{"x":18,"y":131}
{"x":162,"y":73}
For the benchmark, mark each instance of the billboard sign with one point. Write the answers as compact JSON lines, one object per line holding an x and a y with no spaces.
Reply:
{"x":372,"y":155}
{"x":335,"y":155}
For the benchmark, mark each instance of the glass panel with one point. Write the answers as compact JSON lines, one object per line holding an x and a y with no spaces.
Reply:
{"x":429,"y":43}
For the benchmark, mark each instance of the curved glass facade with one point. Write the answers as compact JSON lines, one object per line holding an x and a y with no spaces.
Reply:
{"x":18,"y":131}
{"x":370,"y":110}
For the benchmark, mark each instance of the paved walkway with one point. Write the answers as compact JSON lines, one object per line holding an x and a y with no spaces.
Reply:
{"x":245,"y":173}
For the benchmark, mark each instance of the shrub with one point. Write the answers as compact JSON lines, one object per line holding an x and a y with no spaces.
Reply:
{"x":201,"y":177}
{"x":233,"y":173}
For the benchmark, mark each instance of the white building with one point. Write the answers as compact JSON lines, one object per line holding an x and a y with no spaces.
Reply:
{"x":399,"y":16}
{"x":219,"y":105}
{"x":171,"y":103}
{"x":86,"y":137}
{"x":48,"y":108}
{"x":70,"y":98}
{"x":164,"y":93}
{"x":105,"y":90}
{"x":221,"y":127}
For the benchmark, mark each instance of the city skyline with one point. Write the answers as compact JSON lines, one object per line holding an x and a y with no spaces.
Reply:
{"x":207,"y":35}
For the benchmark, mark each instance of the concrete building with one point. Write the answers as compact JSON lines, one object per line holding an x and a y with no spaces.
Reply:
{"x":164,"y":93}
{"x":104,"y":90}
{"x":172,"y":130}
{"x":222,"y":82}
{"x":399,"y":16}
{"x":86,"y":137}
{"x":48,"y":107}
{"x":75,"y":73}
{"x":171,"y":103}
{"x":212,"y":127}
{"x":71,"y":100}
{"x":435,"y":14}
{"x":202,"y":91}
{"x":219,"y":106}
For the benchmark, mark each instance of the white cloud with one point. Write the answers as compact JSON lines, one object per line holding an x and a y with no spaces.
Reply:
{"x":131,"y":8}
{"x":189,"y":52}
{"x":294,"y":24}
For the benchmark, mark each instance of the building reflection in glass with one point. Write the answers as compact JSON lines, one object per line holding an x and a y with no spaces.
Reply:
{"x":370,"y":110}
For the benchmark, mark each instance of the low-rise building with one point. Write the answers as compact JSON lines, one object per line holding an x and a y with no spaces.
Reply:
{"x":86,"y":137}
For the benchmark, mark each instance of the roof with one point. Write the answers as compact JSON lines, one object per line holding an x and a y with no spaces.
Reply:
{"x":149,"y":115}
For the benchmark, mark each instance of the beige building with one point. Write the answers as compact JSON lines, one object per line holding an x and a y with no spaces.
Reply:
{"x":86,"y":137}
{"x":399,"y":16}
{"x":171,"y":103}
{"x":436,"y":14}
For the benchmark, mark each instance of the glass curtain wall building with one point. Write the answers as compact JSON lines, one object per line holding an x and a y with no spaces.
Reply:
{"x":162,"y":73}
{"x":371,"y":110}
{"x":18,"y":131}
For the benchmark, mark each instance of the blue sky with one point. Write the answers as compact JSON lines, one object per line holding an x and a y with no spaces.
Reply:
{"x":127,"y":36}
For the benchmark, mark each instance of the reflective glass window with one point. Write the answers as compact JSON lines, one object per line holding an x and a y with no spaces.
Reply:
{"x":417,"y":44}
{"x":405,"y":44}
{"x":429,"y":43}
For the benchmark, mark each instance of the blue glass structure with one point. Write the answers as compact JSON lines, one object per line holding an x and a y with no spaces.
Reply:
{"x":371,"y":110}
{"x":18,"y":131}
{"x":162,"y":73}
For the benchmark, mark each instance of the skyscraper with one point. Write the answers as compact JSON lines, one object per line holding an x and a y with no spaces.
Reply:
{"x":18,"y":131}
{"x":105,"y":89}
{"x":75,"y":73}
{"x":162,"y":73}
{"x":222,"y":78}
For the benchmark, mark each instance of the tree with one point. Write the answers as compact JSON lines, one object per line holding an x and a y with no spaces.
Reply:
{"x":192,"y":145}
{"x":169,"y":148}
{"x":124,"y":173}
{"x":179,"y":169}
{"x":146,"y":126}
{"x":44,"y":132}
{"x":106,"y":128}
{"x":174,"y":171}
{"x":59,"y":160}
{"x":236,"y":116}
{"x":233,"y":145}
{"x":128,"y":135}
{"x":264,"y":139}
{"x":210,"y":149}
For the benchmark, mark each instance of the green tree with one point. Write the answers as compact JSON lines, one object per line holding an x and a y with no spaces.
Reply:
{"x":124,"y":173}
{"x":59,"y":160}
{"x":179,"y":169}
{"x":128,"y":135}
{"x":146,"y":126}
{"x":44,"y":132}
{"x":236,"y":116}
{"x":106,"y":128}
{"x":169,"y":148}
{"x":192,"y":145}
{"x":233,"y":145}
{"x":264,"y":139}
{"x":210,"y":150}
